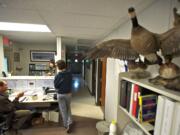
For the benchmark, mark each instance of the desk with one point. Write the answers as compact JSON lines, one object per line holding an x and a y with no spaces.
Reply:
{"x":40,"y":100}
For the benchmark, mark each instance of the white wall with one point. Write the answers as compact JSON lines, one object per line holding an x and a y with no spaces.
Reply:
{"x":156,"y":19}
{"x":24,"y":50}
{"x":1,"y":55}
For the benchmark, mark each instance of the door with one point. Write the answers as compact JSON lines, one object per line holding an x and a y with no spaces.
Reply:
{"x":103,"y":82}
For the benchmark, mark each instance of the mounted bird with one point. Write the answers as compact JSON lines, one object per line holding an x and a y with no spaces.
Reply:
{"x":142,"y":42}
{"x":169,"y":75}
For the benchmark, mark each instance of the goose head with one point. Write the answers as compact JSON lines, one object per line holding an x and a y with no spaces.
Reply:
{"x":133,"y":17}
{"x":176,"y":17}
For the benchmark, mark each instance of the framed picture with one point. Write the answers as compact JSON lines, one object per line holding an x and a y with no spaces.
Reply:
{"x":41,"y":56}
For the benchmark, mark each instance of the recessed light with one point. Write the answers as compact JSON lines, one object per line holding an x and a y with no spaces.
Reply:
{"x":9,"y":26}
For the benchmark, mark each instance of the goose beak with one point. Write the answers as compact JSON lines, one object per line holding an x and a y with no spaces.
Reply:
{"x":131,"y":12}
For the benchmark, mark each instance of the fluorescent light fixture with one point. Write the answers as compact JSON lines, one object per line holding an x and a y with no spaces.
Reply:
{"x":76,"y":60}
{"x":76,"y":84}
{"x":8,"y":26}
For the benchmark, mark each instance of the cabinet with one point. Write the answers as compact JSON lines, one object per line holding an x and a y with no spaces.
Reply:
{"x":124,"y":117}
{"x":38,"y":69}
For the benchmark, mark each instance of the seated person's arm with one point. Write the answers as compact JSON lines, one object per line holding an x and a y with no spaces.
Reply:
{"x":6,"y":106}
{"x":16,"y":100}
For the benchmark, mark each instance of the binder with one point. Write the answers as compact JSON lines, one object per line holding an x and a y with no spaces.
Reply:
{"x":176,"y":120}
{"x":147,"y":108}
{"x":131,"y":99}
{"x":159,"y":115}
{"x":167,"y":117}
{"x":129,"y":85}
{"x":123,"y":95}
{"x":135,"y":100}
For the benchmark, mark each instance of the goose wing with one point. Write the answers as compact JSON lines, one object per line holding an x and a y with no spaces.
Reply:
{"x":115,"y":48}
{"x":170,"y":42}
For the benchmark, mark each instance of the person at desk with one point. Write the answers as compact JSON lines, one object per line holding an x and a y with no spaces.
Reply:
{"x":9,"y":107}
{"x":62,"y":84}
{"x":52,"y":68}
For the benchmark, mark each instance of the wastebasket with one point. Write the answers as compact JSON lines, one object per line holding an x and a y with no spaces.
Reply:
{"x":102,"y":127}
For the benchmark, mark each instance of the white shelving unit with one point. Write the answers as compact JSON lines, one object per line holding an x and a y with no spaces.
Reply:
{"x":175,"y":95}
{"x":146,"y":127}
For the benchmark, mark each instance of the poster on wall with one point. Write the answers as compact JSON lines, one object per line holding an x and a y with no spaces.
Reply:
{"x":41,"y":56}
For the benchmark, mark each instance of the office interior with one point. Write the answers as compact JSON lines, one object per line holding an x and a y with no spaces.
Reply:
{"x":75,"y":27}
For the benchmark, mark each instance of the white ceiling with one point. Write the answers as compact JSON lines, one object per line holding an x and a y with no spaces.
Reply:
{"x":73,"y":19}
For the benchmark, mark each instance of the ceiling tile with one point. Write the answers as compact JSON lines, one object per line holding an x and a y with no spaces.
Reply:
{"x":20,"y":15}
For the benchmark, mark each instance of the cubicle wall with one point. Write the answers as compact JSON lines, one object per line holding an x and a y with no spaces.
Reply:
{"x":23,"y":83}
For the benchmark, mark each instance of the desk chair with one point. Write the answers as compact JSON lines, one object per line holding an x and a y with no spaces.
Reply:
{"x":3,"y":124}
{"x":6,"y":123}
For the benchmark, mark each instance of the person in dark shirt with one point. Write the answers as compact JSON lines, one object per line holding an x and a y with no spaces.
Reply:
{"x":10,"y":107}
{"x":63,"y":83}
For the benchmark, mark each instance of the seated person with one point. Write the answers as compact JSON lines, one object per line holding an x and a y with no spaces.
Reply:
{"x":52,"y":68}
{"x":10,"y":107}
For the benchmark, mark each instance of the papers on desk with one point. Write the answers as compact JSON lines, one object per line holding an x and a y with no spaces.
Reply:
{"x":23,"y":99}
{"x":29,"y":93}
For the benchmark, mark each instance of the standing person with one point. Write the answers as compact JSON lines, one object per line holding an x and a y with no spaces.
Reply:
{"x":8,"y":107}
{"x":52,"y":68}
{"x":63,"y":83}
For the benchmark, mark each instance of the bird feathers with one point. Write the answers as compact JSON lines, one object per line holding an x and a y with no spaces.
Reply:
{"x":142,"y":42}
{"x":170,"y":42}
{"x":115,"y":48}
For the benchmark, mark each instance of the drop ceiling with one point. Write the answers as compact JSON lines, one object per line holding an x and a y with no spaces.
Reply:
{"x":75,"y":20}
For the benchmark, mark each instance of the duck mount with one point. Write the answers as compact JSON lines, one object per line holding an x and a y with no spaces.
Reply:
{"x":169,"y":75}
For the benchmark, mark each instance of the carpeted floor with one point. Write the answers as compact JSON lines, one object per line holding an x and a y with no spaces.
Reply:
{"x":83,"y":126}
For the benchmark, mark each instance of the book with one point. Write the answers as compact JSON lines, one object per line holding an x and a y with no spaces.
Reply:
{"x":135,"y":99}
{"x":176,"y":120}
{"x":129,"y":85}
{"x":131,"y":99}
{"x":147,"y":108}
{"x":123,"y":93}
{"x":169,"y":106}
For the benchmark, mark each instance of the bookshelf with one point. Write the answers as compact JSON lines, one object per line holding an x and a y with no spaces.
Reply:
{"x":38,"y":69}
{"x":124,"y":117}
{"x":146,"y":127}
{"x":155,"y":88}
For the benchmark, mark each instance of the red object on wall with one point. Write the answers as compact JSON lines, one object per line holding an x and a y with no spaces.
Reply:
{"x":5,"y":41}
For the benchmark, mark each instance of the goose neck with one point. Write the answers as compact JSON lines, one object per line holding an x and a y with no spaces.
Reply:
{"x":134,"y":22}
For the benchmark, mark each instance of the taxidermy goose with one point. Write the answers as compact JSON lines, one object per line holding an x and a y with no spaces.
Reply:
{"x":142,"y":42}
{"x":169,"y":75}
{"x":137,"y":69}
{"x":176,"y":17}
